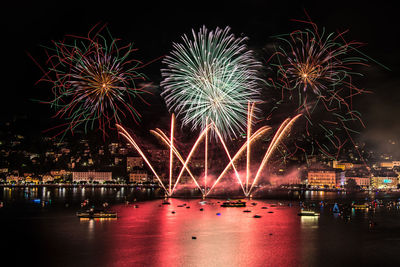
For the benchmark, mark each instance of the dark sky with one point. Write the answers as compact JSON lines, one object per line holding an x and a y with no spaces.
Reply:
{"x":153,"y":26}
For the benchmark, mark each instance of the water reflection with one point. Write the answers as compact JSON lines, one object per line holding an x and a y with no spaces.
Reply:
{"x":234,"y":238}
{"x":151,"y":235}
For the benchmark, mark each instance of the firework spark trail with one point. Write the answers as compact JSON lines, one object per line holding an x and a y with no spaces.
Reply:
{"x":93,"y":80}
{"x":171,"y":152}
{"x":205,"y":160}
{"x":257,"y":134}
{"x":320,"y":67}
{"x":128,"y":137}
{"x":212,"y":76}
{"x":230,"y":158}
{"x":250,"y":110}
{"x":165,"y":139}
{"x":199,"y":139}
{"x":283,"y":129}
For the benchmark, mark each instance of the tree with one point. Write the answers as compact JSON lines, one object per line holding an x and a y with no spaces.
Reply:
{"x":351,"y":185}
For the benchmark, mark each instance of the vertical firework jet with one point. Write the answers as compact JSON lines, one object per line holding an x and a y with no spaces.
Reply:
{"x":281,"y":133}
{"x":211,"y":77}
{"x":247,"y":188}
{"x":173,"y":151}
{"x":94,"y":80}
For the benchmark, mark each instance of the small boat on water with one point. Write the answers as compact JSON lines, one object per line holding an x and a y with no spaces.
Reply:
{"x":360,"y":206}
{"x":247,"y":211}
{"x":238,"y":203}
{"x":97,"y":214}
{"x":165,"y":203}
{"x":257,"y":216}
{"x":308,"y":213}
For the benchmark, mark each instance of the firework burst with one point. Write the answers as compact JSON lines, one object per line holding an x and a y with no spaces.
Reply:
{"x":94,"y":80}
{"x":314,"y":71}
{"x":211,"y":77}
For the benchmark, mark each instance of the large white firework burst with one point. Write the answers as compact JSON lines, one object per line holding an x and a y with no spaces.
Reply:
{"x":211,"y":78}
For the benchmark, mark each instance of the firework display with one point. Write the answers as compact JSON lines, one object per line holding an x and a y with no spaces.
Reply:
{"x":211,"y":77}
{"x":246,"y":185}
{"x":314,"y":71}
{"x":212,"y":82}
{"x":94,"y":80}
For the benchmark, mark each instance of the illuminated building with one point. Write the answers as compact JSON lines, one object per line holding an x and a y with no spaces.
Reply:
{"x":386,"y":164}
{"x":47,"y":178}
{"x":139,"y":176}
{"x":91,"y":176}
{"x":386,"y":179}
{"x":361,"y":176}
{"x":14,"y":179}
{"x":345,"y":165}
{"x":342,"y":165}
{"x":325,"y":177}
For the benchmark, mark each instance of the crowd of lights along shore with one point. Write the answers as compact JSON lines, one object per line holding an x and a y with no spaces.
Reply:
{"x":94,"y":80}
{"x":211,"y":77}
{"x":211,"y":82}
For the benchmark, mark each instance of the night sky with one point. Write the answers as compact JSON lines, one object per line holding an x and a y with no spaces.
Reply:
{"x":152,"y":27}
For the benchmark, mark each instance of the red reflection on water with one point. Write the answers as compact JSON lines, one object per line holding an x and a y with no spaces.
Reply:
{"x":153,"y":235}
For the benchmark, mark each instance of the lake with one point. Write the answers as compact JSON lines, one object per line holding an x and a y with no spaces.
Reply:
{"x":39,"y":228}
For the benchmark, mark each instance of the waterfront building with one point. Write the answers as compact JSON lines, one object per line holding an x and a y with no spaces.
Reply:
{"x":342,"y":165}
{"x":32,"y":180}
{"x":361,"y":176}
{"x":58,"y":174}
{"x":91,"y":176}
{"x":384,"y":179}
{"x":14,"y":179}
{"x":139,"y":176}
{"x":325,"y":177}
{"x":47,"y":178}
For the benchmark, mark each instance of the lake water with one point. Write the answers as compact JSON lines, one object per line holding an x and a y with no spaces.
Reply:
{"x":39,"y":228}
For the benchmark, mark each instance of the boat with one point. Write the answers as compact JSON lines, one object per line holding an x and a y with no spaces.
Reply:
{"x":360,"y":206}
{"x":97,"y":213}
{"x":165,"y":203}
{"x":247,"y":211}
{"x":308,"y":213}
{"x":238,"y":203}
{"x":257,"y":216}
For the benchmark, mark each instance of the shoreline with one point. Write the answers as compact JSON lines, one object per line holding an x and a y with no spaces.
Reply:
{"x":158,"y":187}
